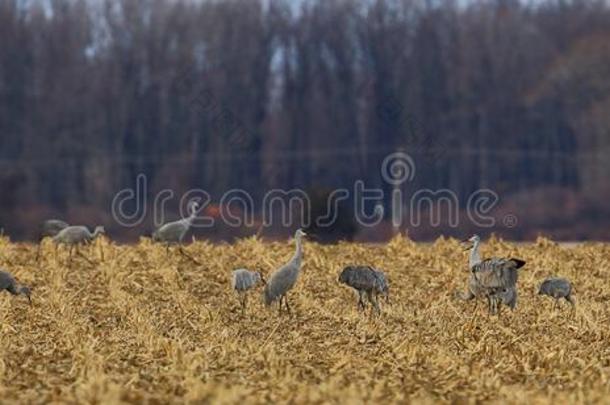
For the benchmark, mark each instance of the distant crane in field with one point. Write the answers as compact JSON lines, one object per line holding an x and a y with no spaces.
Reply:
{"x":49,"y":229}
{"x":557,"y":288}
{"x":494,"y":278}
{"x":173,"y":233}
{"x":366,"y":280}
{"x":73,"y":236}
{"x":284,"y":278}
{"x":8,"y":283}
{"x":244,"y":280}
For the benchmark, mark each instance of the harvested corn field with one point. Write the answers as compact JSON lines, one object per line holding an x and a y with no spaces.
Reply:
{"x":129,"y":323}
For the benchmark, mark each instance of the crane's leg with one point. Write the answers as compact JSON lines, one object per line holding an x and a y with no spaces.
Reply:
{"x":280,"y":306}
{"x":556,"y":306}
{"x":38,"y":250}
{"x":489,"y":306}
{"x":242,"y":302}
{"x":376,"y":298}
{"x":70,"y":254}
{"x":286,"y":303}
{"x":361,"y":303}
{"x":493,"y":305}
{"x":571,"y":301}
{"x":369,"y":295}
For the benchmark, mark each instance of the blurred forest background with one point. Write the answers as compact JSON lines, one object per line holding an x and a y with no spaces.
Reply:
{"x":253,"y":94}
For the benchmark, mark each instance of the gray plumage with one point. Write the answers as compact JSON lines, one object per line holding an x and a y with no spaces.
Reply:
{"x":74,"y":236}
{"x":507,"y":297}
{"x":284,"y":278}
{"x":49,"y":229}
{"x":77,"y":235}
{"x":174,"y":232}
{"x":366,"y":280}
{"x":494,"y":279}
{"x":557,"y":288}
{"x":52,"y":227}
{"x":8,"y":283}
{"x":242,"y":281}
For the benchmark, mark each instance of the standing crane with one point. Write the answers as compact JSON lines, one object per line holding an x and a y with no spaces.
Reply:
{"x":49,"y":229}
{"x":284,"y":278}
{"x":8,"y":283}
{"x":74,"y":236}
{"x":244,"y":280}
{"x":494,"y":279}
{"x":366,"y":280}
{"x":173,"y":233}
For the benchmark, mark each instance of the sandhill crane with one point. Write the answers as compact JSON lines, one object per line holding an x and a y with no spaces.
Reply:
{"x":494,"y":278}
{"x":366,"y":280}
{"x":243,"y":280}
{"x":8,"y":283}
{"x":74,"y":236}
{"x":49,"y":229}
{"x":172,"y":233}
{"x":557,"y":288}
{"x":284,"y":278}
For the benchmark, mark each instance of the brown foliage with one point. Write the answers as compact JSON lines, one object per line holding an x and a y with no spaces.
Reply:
{"x":143,"y":326}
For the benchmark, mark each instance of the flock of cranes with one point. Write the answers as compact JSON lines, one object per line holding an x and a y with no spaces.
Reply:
{"x":492,"y":279}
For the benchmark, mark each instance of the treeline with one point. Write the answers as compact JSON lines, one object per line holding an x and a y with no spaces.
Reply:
{"x":256,"y":95}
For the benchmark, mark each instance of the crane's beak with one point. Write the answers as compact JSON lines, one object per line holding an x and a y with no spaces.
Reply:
{"x":466,"y":244}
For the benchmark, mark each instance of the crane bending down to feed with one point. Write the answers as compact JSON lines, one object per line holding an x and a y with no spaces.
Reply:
{"x":8,"y":283}
{"x":366,"y":280}
{"x":49,"y":229}
{"x":244,"y":280}
{"x":557,"y":288}
{"x":494,"y":279}
{"x":173,"y":233}
{"x":284,"y":278}
{"x":74,"y":236}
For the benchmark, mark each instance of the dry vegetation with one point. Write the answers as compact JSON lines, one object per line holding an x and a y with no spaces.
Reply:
{"x":141,"y":326}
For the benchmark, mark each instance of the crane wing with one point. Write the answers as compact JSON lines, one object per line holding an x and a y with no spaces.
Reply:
{"x":498,"y":272}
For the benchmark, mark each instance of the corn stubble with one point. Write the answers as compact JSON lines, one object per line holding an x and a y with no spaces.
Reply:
{"x":142,"y":326}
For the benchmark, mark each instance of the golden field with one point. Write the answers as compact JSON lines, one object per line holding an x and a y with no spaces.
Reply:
{"x":141,"y":326}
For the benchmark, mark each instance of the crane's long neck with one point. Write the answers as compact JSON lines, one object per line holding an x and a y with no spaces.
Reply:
{"x":475,"y":258}
{"x":192,"y":216}
{"x":13,"y":288}
{"x":298,"y":254}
